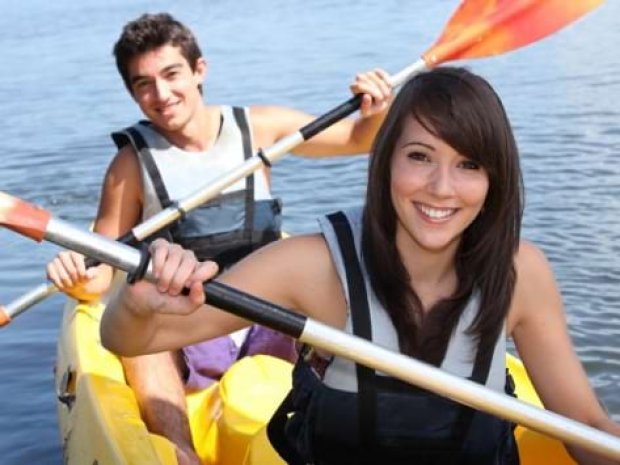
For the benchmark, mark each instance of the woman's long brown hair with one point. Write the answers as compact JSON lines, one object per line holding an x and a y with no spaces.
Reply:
{"x":463,"y":110}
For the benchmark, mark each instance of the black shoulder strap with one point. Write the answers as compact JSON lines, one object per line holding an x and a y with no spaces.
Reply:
{"x":144,"y":152}
{"x":360,"y":316}
{"x":480,"y":374}
{"x":242,"y":123}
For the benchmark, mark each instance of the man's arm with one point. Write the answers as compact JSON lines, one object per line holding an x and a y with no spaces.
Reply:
{"x":119,"y":210}
{"x":347,"y":137}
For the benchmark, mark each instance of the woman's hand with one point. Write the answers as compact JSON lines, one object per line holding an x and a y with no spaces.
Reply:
{"x":174,"y":269}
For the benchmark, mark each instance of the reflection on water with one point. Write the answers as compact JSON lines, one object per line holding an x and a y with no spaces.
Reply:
{"x":61,"y":97}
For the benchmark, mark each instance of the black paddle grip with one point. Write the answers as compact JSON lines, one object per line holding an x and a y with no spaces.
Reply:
{"x":333,"y":116}
{"x":254,"y":309}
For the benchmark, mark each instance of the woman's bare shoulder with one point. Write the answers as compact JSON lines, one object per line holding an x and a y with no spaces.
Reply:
{"x":536,"y":288}
{"x":296,"y":272}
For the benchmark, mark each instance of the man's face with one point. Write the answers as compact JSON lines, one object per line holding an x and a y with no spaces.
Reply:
{"x":165,"y":87}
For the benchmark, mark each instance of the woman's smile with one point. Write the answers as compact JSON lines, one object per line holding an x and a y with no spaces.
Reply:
{"x":434,"y":214}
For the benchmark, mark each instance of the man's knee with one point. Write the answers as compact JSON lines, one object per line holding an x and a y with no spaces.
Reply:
{"x":152,"y":370}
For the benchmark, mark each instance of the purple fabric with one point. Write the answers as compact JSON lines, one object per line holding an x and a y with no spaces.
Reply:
{"x":207,"y":361}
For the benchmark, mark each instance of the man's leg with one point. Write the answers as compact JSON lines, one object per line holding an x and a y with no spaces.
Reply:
{"x":158,"y":387}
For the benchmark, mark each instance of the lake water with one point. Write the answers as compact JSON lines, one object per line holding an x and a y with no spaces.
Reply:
{"x":61,"y":97}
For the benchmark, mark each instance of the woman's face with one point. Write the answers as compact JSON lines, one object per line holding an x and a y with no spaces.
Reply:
{"x":436,"y":192}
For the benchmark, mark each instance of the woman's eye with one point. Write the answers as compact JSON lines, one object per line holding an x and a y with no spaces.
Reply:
{"x":418,"y":156}
{"x":470,"y":165}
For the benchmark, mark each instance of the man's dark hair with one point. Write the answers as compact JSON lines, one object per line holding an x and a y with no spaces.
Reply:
{"x":149,"y":32}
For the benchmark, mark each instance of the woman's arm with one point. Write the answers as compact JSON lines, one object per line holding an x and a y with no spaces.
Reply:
{"x":538,"y":326}
{"x":294,"y":273}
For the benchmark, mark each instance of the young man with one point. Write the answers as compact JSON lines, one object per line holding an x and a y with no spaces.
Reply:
{"x":184,"y":145}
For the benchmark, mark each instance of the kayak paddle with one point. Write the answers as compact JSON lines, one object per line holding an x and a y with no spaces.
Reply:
{"x":478,"y":28}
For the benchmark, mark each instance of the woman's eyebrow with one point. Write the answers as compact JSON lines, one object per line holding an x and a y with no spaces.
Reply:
{"x":418,"y":143}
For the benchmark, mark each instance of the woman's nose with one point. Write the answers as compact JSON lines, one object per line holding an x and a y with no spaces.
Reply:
{"x":441,"y":182}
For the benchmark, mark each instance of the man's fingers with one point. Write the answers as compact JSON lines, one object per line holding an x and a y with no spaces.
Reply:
{"x":67,"y":265}
{"x":376,"y":89}
{"x":80,"y":266}
{"x":58,"y":275}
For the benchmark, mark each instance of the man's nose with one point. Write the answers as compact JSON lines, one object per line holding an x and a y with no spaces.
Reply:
{"x":162,"y":88}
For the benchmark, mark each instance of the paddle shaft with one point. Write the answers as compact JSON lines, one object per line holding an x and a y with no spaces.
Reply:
{"x":351,"y":347}
{"x":25,"y":301}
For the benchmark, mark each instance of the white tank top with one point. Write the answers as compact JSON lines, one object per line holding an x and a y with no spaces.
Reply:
{"x":184,"y":172}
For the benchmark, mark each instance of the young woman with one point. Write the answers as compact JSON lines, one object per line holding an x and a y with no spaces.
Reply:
{"x":431,"y":266}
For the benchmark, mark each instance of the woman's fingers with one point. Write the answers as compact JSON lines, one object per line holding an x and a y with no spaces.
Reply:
{"x":203,"y":272}
{"x":176,"y":268}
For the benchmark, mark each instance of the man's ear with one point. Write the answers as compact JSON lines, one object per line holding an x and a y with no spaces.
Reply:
{"x":201,"y":69}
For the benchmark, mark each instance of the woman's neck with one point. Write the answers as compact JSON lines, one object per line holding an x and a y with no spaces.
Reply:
{"x":432,"y":272}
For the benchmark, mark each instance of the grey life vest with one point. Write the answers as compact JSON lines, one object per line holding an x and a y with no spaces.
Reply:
{"x":354,"y":415}
{"x":243,"y":218}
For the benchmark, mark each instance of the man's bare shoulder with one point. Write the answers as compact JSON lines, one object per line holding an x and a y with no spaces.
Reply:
{"x":124,"y":164}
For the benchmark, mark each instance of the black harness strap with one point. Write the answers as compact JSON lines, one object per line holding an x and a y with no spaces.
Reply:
{"x":242,"y":123}
{"x":480,"y":374}
{"x":149,"y":164}
{"x":360,"y":315}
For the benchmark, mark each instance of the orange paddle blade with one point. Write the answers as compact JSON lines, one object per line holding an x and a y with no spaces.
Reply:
{"x":5,"y":319}
{"x":481,"y":28}
{"x":23,"y":217}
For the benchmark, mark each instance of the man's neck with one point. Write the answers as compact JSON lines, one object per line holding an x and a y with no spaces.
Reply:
{"x":200,"y":133}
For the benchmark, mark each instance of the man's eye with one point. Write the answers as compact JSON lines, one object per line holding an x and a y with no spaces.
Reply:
{"x":139,"y":85}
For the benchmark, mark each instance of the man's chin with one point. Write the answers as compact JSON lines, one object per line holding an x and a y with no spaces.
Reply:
{"x":165,"y":124}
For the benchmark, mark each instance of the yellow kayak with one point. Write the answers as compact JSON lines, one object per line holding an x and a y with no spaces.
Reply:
{"x":100,"y":421}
